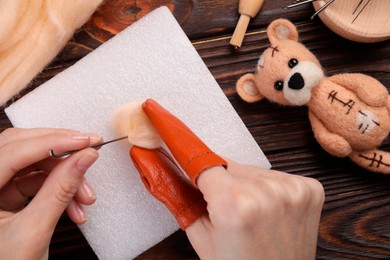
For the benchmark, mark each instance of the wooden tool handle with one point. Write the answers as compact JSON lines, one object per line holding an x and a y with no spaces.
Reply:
{"x":248,"y":9}
{"x":239,"y":32}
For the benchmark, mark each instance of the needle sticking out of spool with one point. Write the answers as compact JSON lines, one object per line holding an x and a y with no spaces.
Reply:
{"x":247,"y":9}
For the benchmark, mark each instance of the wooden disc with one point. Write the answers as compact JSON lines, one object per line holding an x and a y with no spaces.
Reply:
{"x":360,"y":20}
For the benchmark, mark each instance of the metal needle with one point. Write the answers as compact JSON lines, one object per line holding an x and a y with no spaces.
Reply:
{"x":298,"y":3}
{"x":321,"y":9}
{"x":56,"y":156}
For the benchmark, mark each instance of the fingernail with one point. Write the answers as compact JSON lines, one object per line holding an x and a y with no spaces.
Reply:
{"x":80,"y":136}
{"x":90,"y":192}
{"x":95,"y":137}
{"x":87,"y":160}
{"x":81,"y":212}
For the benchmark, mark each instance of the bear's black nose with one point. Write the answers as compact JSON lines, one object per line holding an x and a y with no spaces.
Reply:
{"x":296,"y":81}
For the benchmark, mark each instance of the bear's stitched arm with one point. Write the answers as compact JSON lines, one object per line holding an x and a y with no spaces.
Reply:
{"x":332,"y":143}
{"x":368,"y":89}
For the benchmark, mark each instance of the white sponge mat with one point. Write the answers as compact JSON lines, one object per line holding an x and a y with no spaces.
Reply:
{"x":153,"y":58}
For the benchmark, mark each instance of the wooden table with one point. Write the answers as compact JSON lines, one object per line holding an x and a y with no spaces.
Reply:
{"x":356,"y":215}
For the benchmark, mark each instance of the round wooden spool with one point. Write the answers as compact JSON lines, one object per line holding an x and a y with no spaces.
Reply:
{"x":360,"y":20}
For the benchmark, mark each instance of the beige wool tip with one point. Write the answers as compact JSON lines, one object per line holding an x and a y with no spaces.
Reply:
{"x":132,"y":121}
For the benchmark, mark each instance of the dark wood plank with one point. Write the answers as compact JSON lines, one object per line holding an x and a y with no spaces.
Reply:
{"x":199,"y":19}
{"x":355,"y":216}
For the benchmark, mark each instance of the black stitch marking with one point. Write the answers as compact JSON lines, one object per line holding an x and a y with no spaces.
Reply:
{"x":365,"y":129}
{"x":375,"y":160}
{"x":273,"y":50}
{"x":362,"y":113}
{"x":350,"y":105}
{"x":360,"y":126}
{"x":375,"y":122}
{"x":333,"y":96}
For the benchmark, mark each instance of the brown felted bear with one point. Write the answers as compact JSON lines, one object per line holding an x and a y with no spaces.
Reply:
{"x":349,"y":113}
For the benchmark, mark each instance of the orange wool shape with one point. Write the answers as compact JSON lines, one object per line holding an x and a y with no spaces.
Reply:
{"x":146,"y":125}
{"x":349,"y":113}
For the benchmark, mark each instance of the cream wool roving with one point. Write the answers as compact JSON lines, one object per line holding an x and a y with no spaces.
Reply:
{"x":31,"y":35}
{"x":130,"y":120}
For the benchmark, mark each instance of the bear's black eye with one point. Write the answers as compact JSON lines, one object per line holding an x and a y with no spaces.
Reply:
{"x":292,"y":63}
{"x":278,"y":85}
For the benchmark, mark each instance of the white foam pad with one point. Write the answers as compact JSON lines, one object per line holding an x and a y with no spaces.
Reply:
{"x":153,"y":58}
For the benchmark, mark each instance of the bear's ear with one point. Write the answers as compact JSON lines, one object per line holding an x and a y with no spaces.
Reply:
{"x":281,"y":29}
{"x":247,"y":88}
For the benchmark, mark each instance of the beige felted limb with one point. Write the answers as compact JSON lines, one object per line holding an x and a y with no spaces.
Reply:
{"x":368,"y":89}
{"x":372,"y":160}
{"x":332,"y":143}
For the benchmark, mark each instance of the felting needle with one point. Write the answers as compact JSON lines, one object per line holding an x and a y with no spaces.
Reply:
{"x":321,"y":9}
{"x":298,"y":3}
{"x":56,"y":156}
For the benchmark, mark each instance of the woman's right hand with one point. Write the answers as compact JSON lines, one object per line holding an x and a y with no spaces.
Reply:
{"x":257,"y":214}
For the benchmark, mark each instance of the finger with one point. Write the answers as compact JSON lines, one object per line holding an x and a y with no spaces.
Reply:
{"x":165,"y":182}
{"x":58,"y":190}
{"x":189,"y":151}
{"x":294,"y":191}
{"x":30,"y":184}
{"x":15,"y":194}
{"x":48,"y":164}
{"x":214,"y":182}
{"x":252,"y":172}
{"x":6,"y":214}
{"x":262,"y":183}
{"x":199,"y":234}
{"x":15,"y":134}
{"x":240,"y":170}
{"x":85,"y":194}
{"x":76,"y":212}
{"x":20,"y":154}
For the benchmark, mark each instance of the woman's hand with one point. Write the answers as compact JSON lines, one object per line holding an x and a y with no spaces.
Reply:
{"x":257,"y":214}
{"x":27,"y":170}
{"x":252,"y":213}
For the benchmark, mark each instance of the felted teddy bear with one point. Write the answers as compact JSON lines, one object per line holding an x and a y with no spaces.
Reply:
{"x":349,"y":113}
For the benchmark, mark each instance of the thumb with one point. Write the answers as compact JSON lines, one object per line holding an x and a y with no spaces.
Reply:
{"x":58,"y":190}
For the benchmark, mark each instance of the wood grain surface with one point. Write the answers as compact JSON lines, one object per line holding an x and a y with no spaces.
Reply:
{"x":354,"y":20}
{"x":355,"y":221}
